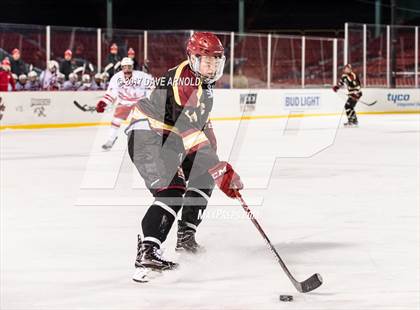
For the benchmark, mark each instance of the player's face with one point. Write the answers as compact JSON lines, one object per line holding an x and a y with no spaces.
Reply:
{"x":127,"y":70}
{"x":208,"y":66}
{"x":347,"y":70}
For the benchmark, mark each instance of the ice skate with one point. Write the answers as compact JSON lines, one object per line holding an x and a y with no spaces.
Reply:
{"x":109,"y":144}
{"x":186,"y":240}
{"x":149,"y":262}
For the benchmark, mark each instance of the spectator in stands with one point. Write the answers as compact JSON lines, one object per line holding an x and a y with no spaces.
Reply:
{"x":49,"y":77}
{"x":97,"y":82}
{"x":33,"y":83}
{"x":86,"y":84}
{"x":20,"y":85}
{"x":18,"y":67}
{"x":7,"y":82}
{"x":72,"y":83}
{"x":145,"y":67}
{"x":132,"y":54}
{"x":60,"y":79}
{"x":239,"y":79}
{"x":113,"y":60}
{"x":67,"y":65}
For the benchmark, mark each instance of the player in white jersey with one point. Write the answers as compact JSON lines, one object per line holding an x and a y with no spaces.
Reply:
{"x":125,"y":88}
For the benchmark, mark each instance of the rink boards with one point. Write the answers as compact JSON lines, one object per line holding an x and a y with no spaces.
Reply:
{"x":31,"y":110}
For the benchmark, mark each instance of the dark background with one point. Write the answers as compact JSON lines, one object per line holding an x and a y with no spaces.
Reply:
{"x":261,"y":15}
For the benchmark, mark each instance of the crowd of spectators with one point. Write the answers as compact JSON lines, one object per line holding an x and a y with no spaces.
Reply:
{"x":61,"y":74}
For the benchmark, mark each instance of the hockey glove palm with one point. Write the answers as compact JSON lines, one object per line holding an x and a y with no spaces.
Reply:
{"x":226,"y":179}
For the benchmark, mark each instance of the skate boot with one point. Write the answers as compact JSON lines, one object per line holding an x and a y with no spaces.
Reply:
{"x":186,"y":239}
{"x":109,"y":144}
{"x":149,"y":262}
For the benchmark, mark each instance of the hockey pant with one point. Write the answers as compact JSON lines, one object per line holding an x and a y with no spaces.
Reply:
{"x":159,"y":165}
{"x":349,"y":107}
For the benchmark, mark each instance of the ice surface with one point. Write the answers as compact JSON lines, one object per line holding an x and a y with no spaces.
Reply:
{"x":349,"y":212}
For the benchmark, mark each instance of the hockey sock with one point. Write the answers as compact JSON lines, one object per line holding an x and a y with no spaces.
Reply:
{"x":115,"y":127}
{"x":195,"y":202}
{"x":160,"y":216}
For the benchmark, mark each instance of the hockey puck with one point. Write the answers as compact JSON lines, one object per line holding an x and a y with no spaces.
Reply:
{"x":286,"y":298}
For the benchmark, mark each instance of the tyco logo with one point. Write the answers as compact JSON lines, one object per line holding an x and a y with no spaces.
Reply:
{"x":398,"y":97}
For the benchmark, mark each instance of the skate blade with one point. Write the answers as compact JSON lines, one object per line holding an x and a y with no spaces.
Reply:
{"x":180,"y":250}
{"x":144,"y":275}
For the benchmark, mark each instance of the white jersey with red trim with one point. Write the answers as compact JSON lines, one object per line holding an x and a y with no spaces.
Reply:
{"x":128,"y":91}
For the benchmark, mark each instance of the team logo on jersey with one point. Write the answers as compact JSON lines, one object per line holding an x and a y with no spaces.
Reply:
{"x":192,"y":116}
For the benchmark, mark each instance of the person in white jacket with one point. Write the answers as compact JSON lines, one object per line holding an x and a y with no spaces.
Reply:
{"x":125,"y":88}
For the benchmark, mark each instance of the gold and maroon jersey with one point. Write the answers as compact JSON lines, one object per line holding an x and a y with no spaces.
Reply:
{"x":351,"y":81}
{"x":180,"y":104}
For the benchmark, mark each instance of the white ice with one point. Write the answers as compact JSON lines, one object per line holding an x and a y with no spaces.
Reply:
{"x":348,"y":209}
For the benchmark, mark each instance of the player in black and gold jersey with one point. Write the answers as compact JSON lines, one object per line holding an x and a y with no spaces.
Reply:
{"x":172,"y":144}
{"x":350,"y":80}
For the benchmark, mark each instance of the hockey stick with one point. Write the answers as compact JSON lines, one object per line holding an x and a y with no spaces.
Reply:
{"x":361,"y":101}
{"x":85,"y":107}
{"x":309,"y":284}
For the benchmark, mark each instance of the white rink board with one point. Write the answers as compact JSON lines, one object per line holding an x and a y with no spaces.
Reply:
{"x":38,"y":108}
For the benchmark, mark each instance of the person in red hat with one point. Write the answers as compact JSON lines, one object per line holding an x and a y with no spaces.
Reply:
{"x":172,"y":144}
{"x":132,"y":55}
{"x":67,"y":65}
{"x":17,"y":65}
{"x":113,"y":60}
{"x":7,"y":83}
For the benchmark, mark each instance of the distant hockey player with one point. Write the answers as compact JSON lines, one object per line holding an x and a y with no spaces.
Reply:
{"x":105,"y":79}
{"x":49,"y":77}
{"x":172,"y":145}
{"x":22,"y":80}
{"x":33,"y":83}
{"x":125,"y":88}
{"x":86,"y":83}
{"x":72,"y":83}
{"x":350,"y":80}
{"x":97,"y":83}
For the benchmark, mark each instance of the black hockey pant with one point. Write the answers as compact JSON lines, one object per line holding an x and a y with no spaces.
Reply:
{"x":159,"y":165}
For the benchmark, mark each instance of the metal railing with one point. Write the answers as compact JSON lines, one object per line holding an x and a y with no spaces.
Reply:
{"x":252,"y":60}
{"x":385,"y":56}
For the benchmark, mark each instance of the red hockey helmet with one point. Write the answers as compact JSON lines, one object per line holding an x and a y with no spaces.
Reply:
{"x":206,"y":45}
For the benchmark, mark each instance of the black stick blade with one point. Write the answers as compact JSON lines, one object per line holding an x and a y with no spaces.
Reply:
{"x":311,"y":283}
